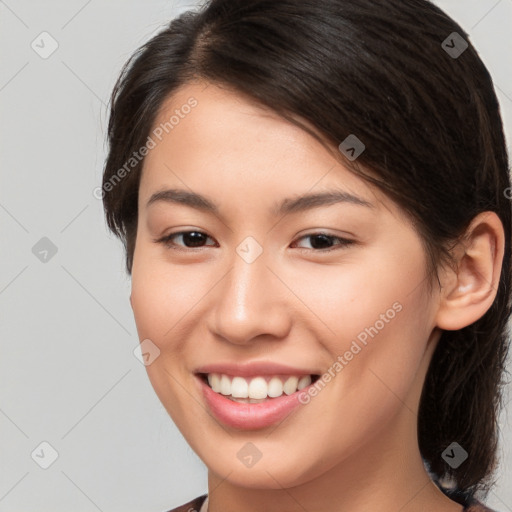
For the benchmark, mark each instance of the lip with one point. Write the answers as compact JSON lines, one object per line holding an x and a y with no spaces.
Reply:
{"x":247,"y":416}
{"x":254,"y":369}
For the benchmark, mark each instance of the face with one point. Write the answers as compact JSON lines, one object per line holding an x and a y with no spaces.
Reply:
{"x":249,"y":282}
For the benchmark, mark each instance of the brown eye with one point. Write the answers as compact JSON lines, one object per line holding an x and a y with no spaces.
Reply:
{"x":187,"y":239}
{"x":322,"y":242}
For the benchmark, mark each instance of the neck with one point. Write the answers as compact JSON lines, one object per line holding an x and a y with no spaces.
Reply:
{"x":385,"y":480}
{"x":385,"y":474}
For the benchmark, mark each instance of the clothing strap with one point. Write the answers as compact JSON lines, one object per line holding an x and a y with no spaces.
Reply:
{"x":204,"y":506}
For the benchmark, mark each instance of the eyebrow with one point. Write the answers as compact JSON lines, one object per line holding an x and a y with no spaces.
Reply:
{"x":287,"y":206}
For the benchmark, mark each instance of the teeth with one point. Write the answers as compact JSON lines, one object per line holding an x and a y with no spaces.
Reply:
{"x":304,"y":382}
{"x":239,"y":388}
{"x":256,"y":389}
{"x":290,"y":386}
{"x":275,"y":387}
{"x":214,"y":381}
{"x":225,"y":385}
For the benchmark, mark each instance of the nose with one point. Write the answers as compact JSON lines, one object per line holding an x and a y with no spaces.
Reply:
{"x":251,"y":301}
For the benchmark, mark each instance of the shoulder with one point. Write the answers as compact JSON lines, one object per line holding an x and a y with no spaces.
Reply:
{"x":191,"y":506}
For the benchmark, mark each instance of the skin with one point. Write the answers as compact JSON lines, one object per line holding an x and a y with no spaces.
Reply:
{"x":354,"y":447}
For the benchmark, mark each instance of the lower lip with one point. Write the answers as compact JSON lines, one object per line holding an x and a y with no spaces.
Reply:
{"x":248,"y":416}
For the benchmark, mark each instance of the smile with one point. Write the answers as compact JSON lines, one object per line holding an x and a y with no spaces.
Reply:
{"x":257,"y":389}
{"x":257,"y":408}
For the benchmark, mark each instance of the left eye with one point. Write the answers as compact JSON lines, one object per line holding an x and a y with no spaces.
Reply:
{"x":195,"y":238}
{"x":323,"y":242}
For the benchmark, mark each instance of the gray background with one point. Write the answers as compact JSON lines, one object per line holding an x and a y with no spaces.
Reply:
{"x":68,"y":374}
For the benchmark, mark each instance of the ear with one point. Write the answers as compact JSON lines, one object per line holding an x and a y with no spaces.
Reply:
{"x":469,"y":290}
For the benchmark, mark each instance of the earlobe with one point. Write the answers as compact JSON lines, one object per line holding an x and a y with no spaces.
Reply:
{"x":469,"y":290}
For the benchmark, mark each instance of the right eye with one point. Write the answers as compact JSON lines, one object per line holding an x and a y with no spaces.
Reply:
{"x":191,"y":240}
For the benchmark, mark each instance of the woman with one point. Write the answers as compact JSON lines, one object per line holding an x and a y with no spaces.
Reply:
{"x":313,"y":202}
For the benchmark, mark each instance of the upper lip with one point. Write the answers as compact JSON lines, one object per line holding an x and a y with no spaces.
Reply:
{"x":253,"y":369}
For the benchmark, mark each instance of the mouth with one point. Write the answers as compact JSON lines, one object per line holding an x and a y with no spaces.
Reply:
{"x":253,"y":402}
{"x":258,"y":388}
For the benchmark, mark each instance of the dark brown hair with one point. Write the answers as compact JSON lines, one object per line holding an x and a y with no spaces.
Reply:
{"x":431,"y":125}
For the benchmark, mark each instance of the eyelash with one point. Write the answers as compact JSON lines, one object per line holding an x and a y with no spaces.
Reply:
{"x":167,"y":241}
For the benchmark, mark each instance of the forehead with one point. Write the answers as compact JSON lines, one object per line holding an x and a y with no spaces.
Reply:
{"x":218,"y":141}
{"x":224,"y":118}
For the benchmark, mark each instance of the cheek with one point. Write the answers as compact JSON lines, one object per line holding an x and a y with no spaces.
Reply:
{"x":162,"y":296}
{"x":376,"y":318}
{"x":365,"y":291}
{"x":382,"y":346}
